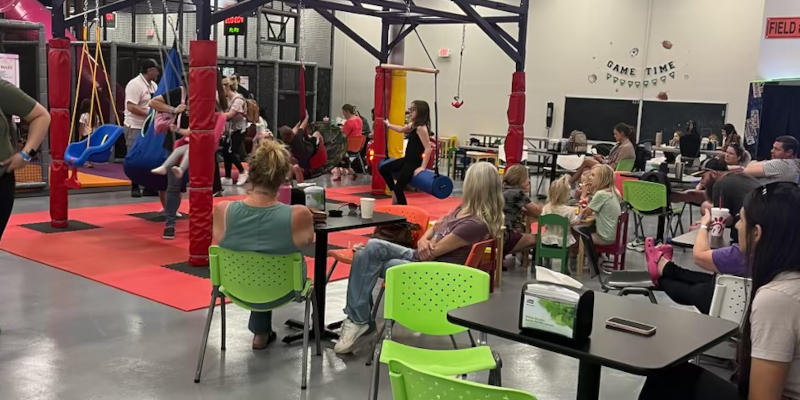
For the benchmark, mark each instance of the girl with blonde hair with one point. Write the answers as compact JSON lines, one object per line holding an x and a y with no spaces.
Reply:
{"x":251,"y":224}
{"x":604,"y":205}
{"x":557,"y":197}
{"x":479,"y":217}
{"x":518,"y":207}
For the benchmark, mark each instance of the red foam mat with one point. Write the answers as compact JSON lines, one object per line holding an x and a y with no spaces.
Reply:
{"x":128,"y":253}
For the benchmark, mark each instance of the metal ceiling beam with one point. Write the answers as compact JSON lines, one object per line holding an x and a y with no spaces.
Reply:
{"x":402,"y":35}
{"x":245,"y":7}
{"x":488,"y":29}
{"x":441,"y":21}
{"x":77,"y":19}
{"x":396,"y":5}
{"x":496,"y":5}
{"x":505,"y":35}
{"x":349,"y":32}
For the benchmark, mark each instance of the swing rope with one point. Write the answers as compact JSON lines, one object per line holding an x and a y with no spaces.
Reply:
{"x":461,"y":62}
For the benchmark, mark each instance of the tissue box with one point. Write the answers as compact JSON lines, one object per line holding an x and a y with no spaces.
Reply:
{"x":556,"y":309}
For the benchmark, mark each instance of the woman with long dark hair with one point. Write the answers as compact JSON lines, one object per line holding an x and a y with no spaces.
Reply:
{"x":624,"y":135}
{"x":769,"y":352}
{"x":418,"y":151}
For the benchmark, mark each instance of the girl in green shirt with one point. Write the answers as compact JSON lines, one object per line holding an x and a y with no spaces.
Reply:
{"x":604,"y":206}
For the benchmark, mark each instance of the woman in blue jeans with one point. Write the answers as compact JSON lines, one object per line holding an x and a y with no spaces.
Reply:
{"x":257,"y":222}
{"x":479,"y":217}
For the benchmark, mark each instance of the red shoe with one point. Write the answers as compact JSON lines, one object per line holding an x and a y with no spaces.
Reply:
{"x":666,"y":250}
{"x":652,"y":255}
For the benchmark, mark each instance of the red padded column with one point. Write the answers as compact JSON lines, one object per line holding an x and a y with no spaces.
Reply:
{"x":202,"y":100}
{"x":516,"y":120}
{"x":59,"y":90}
{"x":383,"y":90}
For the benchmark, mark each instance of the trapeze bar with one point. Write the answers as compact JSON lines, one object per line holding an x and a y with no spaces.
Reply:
{"x":413,"y":69}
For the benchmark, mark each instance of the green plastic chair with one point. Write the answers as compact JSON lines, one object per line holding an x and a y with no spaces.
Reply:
{"x":409,"y":383}
{"x":648,"y":198}
{"x":551,"y":252}
{"x":419,"y":296}
{"x":625,"y":165}
{"x":258,"y":282}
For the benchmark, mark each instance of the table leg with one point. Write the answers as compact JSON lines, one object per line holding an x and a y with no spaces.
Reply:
{"x":588,"y":381}
{"x":581,"y":257}
{"x":553,"y":168}
{"x":320,"y":282}
{"x":662,"y":221}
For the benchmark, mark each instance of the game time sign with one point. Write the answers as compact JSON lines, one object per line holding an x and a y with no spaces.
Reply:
{"x":235,"y":26}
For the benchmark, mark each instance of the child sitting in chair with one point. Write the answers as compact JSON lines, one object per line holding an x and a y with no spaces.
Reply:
{"x":604,"y":206}
{"x":517,"y":208}
{"x":557,"y":198}
{"x":582,"y":192}
{"x":87,"y":126}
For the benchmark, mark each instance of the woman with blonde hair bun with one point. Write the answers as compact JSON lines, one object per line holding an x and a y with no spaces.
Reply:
{"x":251,"y":224}
{"x":477,"y":218}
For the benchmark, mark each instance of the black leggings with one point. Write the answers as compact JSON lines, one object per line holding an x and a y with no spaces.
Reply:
{"x":405,"y":171}
{"x":217,"y":184}
{"x":7,"y":186}
{"x":686,"y":287}
{"x":230,"y":152}
{"x":688,"y":382}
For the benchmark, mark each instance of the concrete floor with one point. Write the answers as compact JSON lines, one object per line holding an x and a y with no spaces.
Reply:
{"x":65,"y":337}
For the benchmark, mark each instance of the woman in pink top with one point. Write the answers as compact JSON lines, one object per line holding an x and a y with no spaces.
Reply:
{"x":353,"y":125}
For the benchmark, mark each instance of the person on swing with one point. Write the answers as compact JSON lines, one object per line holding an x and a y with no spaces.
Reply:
{"x":302,"y":148}
{"x":418,"y":150}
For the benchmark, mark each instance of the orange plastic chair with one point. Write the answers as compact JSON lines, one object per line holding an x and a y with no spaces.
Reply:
{"x":414,"y":215}
{"x":477,"y":259}
{"x":618,"y":179}
{"x":354,"y":146}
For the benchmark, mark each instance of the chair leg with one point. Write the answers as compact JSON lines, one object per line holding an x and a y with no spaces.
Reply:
{"x":304,"y":381}
{"x":375,"y":346}
{"x":495,"y":375}
{"x":222,"y":311}
{"x":453,"y":340}
{"x":377,"y":303}
{"x":471,"y":339}
{"x":204,"y":341}
{"x":376,"y":371}
{"x":317,"y":323}
{"x":652,"y":297}
{"x":330,"y":273}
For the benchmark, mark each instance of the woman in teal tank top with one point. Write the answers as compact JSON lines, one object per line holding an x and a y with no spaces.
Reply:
{"x":259,"y":222}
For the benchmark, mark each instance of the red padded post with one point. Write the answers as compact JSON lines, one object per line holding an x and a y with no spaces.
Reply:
{"x":202,"y":119}
{"x":516,"y":120}
{"x":59,"y":90}
{"x":383,"y":90}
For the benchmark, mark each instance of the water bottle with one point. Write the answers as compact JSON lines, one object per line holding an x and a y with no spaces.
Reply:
{"x":285,"y":193}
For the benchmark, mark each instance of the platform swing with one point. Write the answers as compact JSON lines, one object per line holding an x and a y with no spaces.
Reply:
{"x":97,"y":146}
{"x":430,"y":182}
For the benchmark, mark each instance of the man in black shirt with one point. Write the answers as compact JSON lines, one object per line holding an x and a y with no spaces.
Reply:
{"x":726,"y":189}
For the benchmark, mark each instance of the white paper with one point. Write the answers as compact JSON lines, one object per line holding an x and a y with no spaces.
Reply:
{"x":9,"y":68}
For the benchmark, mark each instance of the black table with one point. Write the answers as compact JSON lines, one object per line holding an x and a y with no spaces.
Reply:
{"x":680,"y":335}
{"x":687,"y":240}
{"x":344,"y":223}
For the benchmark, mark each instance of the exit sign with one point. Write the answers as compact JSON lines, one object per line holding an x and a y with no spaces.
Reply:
{"x":235,"y":26}
{"x":110,"y":21}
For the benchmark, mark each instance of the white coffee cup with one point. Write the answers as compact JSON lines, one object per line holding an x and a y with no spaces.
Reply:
{"x":718,"y":218}
{"x":367,"y":207}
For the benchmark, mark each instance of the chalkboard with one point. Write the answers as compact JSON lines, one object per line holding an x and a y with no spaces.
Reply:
{"x":667,"y":116}
{"x":597,"y":117}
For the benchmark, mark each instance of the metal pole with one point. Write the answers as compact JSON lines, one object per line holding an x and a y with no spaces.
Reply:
{"x":296,"y":38}
{"x":164,"y":28}
{"x":133,"y":23}
{"x":41,"y":88}
{"x":105,"y":28}
{"x":258,"y":55}
{"x":113,"y":77}
{"x":180,"y":23}
{"x":314,"y":106}
{"x":275,"y":95}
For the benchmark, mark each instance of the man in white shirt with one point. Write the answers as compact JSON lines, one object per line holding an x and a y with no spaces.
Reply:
{"x":137,"y":105}
{"x":783,"y":165}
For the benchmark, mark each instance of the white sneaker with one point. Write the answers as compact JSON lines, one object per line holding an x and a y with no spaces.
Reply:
{"x":159,"y":171}
{"x":242,"y":179}
{"x":227,"y":181}
{"x":351,"y":331}
{"x":636,"y":245}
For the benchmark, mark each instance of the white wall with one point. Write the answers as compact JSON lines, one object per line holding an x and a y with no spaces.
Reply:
{"x":714,"y":44}
{"x":779,"y":58}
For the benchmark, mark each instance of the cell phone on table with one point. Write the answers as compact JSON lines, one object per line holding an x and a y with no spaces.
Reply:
{"x":627,"y":325}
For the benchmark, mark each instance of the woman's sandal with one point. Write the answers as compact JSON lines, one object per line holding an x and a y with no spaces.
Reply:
{"x":261,"y":341}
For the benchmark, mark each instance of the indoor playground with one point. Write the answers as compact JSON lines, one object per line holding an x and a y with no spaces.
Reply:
{"x":469,"y":169}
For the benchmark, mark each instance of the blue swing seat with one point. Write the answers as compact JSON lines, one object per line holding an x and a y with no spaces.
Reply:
{"x":439,"y":186}
{"x":98,"y":149}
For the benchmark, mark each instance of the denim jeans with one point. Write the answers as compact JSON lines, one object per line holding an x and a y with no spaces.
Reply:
{"x":368,"y":264}
{"x":172,"y":198}
{"x":260,"y":322}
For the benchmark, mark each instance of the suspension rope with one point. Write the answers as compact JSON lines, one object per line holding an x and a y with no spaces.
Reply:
{"x":461,"y":59}
{"x":98,"y":51}
{"x":84,"y":52}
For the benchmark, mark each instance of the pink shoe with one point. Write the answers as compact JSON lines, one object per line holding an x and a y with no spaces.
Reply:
{"x":666,"y":251}
{"x":652,"y":255}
